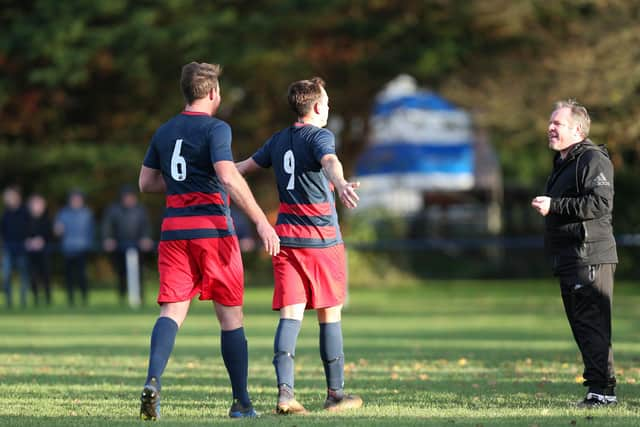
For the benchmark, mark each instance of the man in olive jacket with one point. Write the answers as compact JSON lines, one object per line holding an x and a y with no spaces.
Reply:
{"x":577,"y":207}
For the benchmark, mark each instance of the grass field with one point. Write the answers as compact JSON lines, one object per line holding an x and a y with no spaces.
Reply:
{"x":444,"y":354}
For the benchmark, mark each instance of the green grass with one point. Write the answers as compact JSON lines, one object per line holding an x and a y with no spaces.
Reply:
{"x":445,"y":353}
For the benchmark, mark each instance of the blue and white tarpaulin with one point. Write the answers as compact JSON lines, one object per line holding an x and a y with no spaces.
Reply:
{"x":418,"y":141}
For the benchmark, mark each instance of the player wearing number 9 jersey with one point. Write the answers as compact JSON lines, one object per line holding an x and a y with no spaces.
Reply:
{"x":310,"y":271}
{"x":190,"y":160}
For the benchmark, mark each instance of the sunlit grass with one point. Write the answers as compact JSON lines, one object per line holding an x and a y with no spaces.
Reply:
{"x":445,"y":353}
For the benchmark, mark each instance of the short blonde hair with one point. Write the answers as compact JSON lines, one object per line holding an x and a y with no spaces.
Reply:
{"x":198,"y":79}
{"x":579,"y":114}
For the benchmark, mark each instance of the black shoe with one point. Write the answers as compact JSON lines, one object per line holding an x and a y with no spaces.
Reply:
{"x":595,"y":400}
{"x":150,"y":398}
{"x":239,"y":411}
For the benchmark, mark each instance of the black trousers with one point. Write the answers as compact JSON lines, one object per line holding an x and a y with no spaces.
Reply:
{"x":587,"y":294}
{"x":40,"y":275}
{"x":119,"y":262}
{"x":76,"y":276}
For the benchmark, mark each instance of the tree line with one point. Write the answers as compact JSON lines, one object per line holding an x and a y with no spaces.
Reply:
{"x":83,"y":85}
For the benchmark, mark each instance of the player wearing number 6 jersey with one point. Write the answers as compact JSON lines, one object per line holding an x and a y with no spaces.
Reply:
{"x":190,"y":160}
{"x":310,"y":271}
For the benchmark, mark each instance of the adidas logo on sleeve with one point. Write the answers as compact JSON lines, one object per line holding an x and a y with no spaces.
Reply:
{"x":600,"y":180}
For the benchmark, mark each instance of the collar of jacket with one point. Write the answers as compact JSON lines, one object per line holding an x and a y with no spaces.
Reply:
{"x":580,"y":147}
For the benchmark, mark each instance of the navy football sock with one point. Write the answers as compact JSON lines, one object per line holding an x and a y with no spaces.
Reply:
{"x":162,"y":339}
{"x":332,"y":354}
{"x":235,"y":354}
{"x":284,"y":350}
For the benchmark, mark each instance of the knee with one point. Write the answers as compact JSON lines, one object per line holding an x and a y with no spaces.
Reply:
{"x":230,"y":318}
{"x":330,"y":315}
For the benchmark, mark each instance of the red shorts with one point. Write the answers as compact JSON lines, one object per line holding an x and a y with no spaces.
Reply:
{"x":315,"y":276}
{"x":211,"y":267}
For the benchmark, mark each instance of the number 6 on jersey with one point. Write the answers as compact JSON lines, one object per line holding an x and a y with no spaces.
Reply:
{"x":289,"y":167}
{"x":178,"y":163}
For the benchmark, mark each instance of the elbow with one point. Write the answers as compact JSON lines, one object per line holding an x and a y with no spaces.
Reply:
{"x":227,"y":182}
{"x":229,"y":179}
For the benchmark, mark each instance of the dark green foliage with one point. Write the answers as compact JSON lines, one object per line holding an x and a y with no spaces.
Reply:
{"x":107,"y":71}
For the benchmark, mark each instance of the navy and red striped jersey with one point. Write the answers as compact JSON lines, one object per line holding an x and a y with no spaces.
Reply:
{"x":184,"y":149}
{"x":307,"y":216}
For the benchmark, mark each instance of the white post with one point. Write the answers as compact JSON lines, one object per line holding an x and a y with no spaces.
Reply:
{"x":133,"y":277}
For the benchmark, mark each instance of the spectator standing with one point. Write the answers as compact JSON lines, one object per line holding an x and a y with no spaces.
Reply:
{"x":126,"y":226}
{"x":13,"y":227}
{"x":39,"y":233}
{"x":74,"y":225}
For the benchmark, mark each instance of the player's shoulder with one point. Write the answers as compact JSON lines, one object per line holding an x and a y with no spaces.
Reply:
{"x":315,"y":134}
{"x":277,"y":136}
{"x":322,"y":133}
{"x":215,"y":122}
{"x":594,"y":154}
{"x":316,"y":131}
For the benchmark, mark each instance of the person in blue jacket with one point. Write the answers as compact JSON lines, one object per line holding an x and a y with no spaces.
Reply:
{"x":74,"y":224}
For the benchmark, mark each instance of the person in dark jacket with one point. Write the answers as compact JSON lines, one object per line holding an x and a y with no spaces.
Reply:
{"x":577,"y":206}
{"x":39,"y":233}
{"x":125,"y":226}
{"x":13,"y":228}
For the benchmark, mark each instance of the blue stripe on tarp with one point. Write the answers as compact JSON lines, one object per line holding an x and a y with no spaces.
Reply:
{"x":423,"y":101}
{"x":412,"y":158}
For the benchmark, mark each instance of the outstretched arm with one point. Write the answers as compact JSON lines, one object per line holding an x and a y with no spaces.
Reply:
{"x":247,"y":166}
{"x":346,"y":190}
{"x":239,"y":191}
{"x":151,"y":181}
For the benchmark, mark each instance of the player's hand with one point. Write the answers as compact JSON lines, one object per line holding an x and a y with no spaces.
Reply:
{"x":348,"y":195}
{"x":110,"y":245}
{"x":145,"y":244}
{"x":542,"y":204}
{"x":269,"y":238}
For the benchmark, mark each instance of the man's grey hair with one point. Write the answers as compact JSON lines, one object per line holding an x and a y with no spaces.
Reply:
{"x":579,"y":115}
